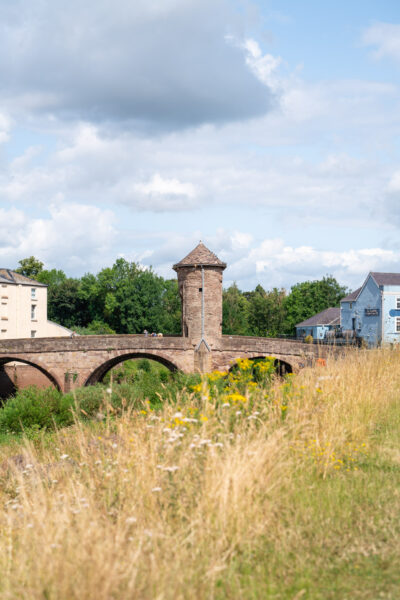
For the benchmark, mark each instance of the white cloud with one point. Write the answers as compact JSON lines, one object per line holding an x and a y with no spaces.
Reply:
{"x":274,"y":263}
{"x":264,"y":66}
{"x":163,"y":194}
{"x":385,"y":39}
{"x":73,"y":237}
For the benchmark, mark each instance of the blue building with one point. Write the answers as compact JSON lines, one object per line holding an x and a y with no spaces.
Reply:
{"x":319,"y":324}
{"x":372,"y":311}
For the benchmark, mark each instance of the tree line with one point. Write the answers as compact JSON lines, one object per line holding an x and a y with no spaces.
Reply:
{"x":127,"y":298}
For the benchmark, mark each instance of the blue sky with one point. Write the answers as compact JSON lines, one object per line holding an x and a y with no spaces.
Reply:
{"x":270,"y":130}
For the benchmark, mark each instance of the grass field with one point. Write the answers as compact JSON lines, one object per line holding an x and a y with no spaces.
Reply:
{"x":285,"y":491}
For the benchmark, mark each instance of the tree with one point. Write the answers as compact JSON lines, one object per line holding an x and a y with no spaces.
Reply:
{"x":311,"y":297}
{"x":52,"y":278}
{"x":170,"y":321}
{"x":266,"y":311}
{"x":30,"y":267}
{"x":65,"y":305}
{"x":235,"y":310}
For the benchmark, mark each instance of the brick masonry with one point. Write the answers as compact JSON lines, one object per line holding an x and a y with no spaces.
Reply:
{"x":73,"y":362}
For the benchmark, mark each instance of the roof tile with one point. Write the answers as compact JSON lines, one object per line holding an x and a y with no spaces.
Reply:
{"x":12,"y":277}
{"x":329,"y":316}
{"x":200,"y":255}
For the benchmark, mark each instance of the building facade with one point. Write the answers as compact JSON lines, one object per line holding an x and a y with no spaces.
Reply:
{"x":318,"y":325}
{"x":23,"y":308}
{"x":373,"y":310}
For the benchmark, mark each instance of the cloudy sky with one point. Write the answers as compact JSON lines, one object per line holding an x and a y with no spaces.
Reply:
{"x":269,"y":129}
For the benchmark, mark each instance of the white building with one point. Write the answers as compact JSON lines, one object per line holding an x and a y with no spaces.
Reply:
{"x":23,"y":308}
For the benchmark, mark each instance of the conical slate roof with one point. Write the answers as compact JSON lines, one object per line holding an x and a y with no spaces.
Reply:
{"x":200,"y":256}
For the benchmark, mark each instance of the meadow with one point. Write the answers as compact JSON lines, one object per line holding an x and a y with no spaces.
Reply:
{"x":244,"y":486}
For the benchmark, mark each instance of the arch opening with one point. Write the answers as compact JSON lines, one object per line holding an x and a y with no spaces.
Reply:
{"x":16,"y":374}
{"x":100,"y":372}
{"x":282,"y":367}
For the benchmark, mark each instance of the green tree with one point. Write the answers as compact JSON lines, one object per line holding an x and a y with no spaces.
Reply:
{"x":311,"y":297}
{"x":266,"y":311}
{"x":65,"y":306}
{"x":235,"y":311}
{"x":171,"y":312}
{"x":52,"y":278}
{"x":30,"y":267}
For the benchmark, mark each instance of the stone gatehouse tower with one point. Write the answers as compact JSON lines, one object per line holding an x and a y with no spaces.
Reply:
{"x":200,"y":288}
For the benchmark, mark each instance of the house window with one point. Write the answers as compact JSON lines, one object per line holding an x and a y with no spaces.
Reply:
{"x":398,"y":303}
{"x":397,"y":324}
{"x":33,"y":311}
{"x":33,"y":293}
{"x":4,"y":285}
{"x":351,"y":305}
{"x":33,"y":334}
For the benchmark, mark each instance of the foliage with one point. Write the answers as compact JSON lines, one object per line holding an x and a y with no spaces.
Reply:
{"x":32,"y":407}
{"x":128,"y":298}
{"x":266,"y":311}
{"x":30,"y":267}
{"x":131,"y":384}
{"x":235,"y":310}
{"x":309,"y":298}
{"x":95,"y":328}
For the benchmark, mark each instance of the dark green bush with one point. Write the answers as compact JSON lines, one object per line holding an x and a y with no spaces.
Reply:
{"x":33,"y":407}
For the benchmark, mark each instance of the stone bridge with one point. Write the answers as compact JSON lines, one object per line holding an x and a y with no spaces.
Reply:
{"x":84,"y":360}
{"x":73,"y":362}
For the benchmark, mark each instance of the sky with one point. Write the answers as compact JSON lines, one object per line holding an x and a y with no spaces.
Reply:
{"x":267,"y":129}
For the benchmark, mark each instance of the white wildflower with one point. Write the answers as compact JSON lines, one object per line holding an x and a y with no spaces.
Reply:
{"x":171,"y":469}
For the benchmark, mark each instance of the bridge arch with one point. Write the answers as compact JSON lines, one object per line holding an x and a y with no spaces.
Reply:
{"x":282,"y":366}
{"x":98,"y":373}
{"x":35,"y":365}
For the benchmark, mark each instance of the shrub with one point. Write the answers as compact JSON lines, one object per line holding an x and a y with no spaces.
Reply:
{"x":32,"y":407}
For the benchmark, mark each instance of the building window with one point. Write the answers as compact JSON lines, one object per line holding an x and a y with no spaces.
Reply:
{"x":33,"y":334}
{"x":33,"y":293}
{"x":33,"y":311}
{"x":397,"y":324}
{"x":351,"y":305}
{"x":4,"y":285}
{"x":398,"y":303}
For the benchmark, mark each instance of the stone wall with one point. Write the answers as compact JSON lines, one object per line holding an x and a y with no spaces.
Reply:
{"x":190,"y":288}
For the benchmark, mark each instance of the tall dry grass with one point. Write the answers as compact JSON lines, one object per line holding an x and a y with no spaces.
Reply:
{"x":293,"y":498}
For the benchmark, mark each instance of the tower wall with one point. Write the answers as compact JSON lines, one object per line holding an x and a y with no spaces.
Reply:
{"x":190,"y":289}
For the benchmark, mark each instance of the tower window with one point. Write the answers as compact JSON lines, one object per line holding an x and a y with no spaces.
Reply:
{"x":200,"y":289}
